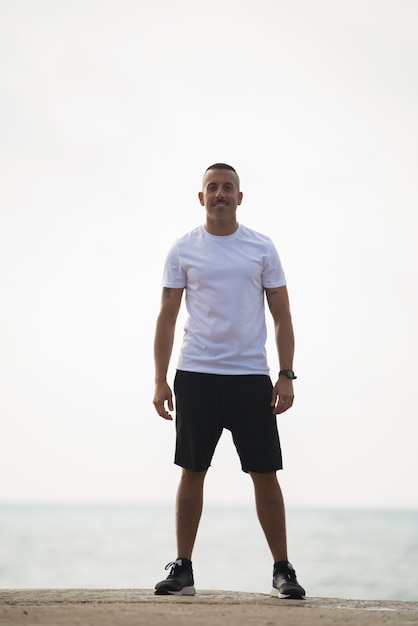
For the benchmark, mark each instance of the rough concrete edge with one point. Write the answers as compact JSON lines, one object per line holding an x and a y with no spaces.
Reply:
{"x":45,"y":597}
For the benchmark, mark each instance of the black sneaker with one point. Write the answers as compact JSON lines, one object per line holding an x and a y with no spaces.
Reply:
{"x":179,"y":582}
{"x":285,"y":584}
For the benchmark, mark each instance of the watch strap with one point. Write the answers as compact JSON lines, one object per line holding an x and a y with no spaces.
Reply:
{"x":289,"y":373}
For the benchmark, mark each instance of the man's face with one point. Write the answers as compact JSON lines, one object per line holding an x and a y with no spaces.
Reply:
{"x":220,"y":196}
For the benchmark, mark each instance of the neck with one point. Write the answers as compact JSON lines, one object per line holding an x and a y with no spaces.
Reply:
{"x":219,"y":229}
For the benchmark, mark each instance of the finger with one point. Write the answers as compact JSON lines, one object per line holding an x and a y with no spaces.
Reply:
{"x":165,"y":414}
{"x":283,"y":404}
{"x":280,"y":406}
{"x":159,"y":407}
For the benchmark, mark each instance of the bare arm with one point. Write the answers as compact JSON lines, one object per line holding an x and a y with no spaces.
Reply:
{"x":163,"y":345}
{"x":278,"y":301}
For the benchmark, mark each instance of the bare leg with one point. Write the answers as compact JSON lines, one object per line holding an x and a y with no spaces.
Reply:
{"x":270,"y":511}
{"x":188,"y":510}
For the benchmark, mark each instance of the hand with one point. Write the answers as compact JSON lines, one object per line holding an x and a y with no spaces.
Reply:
{"x":282,"y":396}
{"x":163,"y":394}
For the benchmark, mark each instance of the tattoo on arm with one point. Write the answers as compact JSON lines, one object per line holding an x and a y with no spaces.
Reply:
{"x":166,"y":293}
{"x":270,"y":293}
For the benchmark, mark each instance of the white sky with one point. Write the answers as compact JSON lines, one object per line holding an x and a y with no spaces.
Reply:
{"x":110,"y":112}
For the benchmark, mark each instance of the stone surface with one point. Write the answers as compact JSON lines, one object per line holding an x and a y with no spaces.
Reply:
{"x":129,"y":607}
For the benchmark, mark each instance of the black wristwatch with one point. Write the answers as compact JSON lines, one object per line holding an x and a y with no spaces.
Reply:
{"x":289,"y":373}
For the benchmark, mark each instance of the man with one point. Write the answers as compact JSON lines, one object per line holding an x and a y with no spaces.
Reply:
{"x":222,"y":379}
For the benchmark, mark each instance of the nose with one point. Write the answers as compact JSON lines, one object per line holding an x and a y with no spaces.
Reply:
{"x":219,"y":193}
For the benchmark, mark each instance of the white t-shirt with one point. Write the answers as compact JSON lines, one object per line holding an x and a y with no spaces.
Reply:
{"x":224,"y":279}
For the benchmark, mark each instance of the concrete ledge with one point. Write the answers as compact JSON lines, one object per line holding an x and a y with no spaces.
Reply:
{"x":129,"y":607}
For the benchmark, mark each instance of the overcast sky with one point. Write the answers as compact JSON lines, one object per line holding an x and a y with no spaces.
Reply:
{"x":110,"y":112}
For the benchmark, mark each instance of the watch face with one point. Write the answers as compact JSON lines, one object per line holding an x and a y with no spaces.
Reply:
{"x":288,"y":373}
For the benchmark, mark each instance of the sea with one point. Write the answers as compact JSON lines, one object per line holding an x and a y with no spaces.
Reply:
{"x":351,"y":554}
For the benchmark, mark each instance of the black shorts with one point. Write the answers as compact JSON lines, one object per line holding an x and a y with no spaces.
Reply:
{"x":208,"y":403}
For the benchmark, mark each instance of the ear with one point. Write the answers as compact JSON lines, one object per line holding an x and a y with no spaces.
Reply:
{"x":201,"y":198}
{"x":239,"y":197}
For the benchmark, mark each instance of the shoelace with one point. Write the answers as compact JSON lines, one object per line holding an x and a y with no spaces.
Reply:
{"x":290,"y":574}
{"x":173,"y":566}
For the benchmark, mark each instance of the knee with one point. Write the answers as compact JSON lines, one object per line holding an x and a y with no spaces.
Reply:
{"x":192,"y":477}
{"x":264,"y":479}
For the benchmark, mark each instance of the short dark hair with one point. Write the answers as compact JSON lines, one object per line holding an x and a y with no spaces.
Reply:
{"x":224,"y":166}
{"x":221,"y":166}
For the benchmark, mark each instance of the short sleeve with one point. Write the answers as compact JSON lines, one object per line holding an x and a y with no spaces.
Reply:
{"x":273,"y":273}
{"x":174,"y":275}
